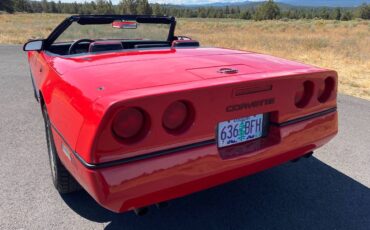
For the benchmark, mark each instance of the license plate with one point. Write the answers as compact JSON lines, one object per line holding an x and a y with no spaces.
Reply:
{"x":239,"y":130}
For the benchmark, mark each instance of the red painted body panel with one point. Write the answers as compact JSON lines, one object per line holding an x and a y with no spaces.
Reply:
{"x":83,"y":94}
{"x":139,"y":184}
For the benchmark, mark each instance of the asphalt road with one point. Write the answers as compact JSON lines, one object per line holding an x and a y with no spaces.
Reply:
{"x":329,"y":191}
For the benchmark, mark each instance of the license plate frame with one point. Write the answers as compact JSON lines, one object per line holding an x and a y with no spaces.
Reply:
{"x":263,"y":132}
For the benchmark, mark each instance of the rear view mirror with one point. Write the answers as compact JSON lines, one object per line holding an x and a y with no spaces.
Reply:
{"x":124,"y":24}
{"x":33,"y":45}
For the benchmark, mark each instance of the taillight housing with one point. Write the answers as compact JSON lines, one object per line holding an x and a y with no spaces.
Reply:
{"x":178,"y":117}
{"x":304,"y":94}
{"x":130,"y":124}
{"x":326,"y":90}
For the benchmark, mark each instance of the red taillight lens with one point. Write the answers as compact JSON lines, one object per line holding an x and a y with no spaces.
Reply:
{"x":327,"y":90}
{"x":304,"y":94}
{"x":129,"y":123}
{"x":176,"y":117}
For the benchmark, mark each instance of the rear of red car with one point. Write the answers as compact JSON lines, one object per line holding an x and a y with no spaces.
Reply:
{"x":151,"y":144}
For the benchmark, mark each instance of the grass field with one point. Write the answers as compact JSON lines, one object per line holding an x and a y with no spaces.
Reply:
{"x":342,"y":46}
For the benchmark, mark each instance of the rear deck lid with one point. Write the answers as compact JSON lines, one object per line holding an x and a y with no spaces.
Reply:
{"x":116,"y":73}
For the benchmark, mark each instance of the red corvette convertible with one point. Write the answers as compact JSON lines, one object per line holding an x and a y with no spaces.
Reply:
{"x":137,"y":116}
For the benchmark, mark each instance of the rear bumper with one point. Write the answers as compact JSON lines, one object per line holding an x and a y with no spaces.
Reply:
{"x":147,"y":181}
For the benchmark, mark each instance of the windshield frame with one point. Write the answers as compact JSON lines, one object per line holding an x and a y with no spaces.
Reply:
{"x":108,"y":19}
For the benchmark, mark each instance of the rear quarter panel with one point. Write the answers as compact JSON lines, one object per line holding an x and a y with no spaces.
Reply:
{"x":64,"y":102}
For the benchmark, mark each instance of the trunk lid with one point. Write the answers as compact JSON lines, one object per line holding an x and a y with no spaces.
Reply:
{"x":125,"y":71}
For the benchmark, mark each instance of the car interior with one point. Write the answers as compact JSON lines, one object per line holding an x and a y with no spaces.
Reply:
{"x":141,"y":35}
{"x":84,"y":46}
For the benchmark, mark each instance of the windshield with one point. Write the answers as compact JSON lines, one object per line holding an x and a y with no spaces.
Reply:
{"x":142,"y":31}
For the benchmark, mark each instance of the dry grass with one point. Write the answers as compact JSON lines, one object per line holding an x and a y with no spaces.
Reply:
{"x":18,"y":28}
{"x":342,"y":46}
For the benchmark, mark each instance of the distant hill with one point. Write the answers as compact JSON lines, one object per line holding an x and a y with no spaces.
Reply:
{"x":329,"y":3}
{"x":243,"y":4}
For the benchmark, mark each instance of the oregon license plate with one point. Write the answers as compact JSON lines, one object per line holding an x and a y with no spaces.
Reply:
{"x":239,"y":130}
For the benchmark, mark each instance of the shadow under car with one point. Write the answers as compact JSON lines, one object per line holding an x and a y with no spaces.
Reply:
{"x":306,"y":195}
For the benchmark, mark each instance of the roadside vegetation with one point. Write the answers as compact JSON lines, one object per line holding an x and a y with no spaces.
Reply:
{"x":246,"y":11}
{"x":340,"y":45}
{"x":337,"y":45}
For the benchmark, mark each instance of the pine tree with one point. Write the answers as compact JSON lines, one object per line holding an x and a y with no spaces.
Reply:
{"x":36,"y":7}
{"x":346,"y":16}
{"x":268,"y":11}
{"x":157,"y":9}
{"x":227,"y":10}
{"x":143,"y":7}
{"x":19,"y":5}
{"x":59,"y":7}
{"x":45,"y":6}
{"x":53,"y":7}
{"x":104,"y":7}
{"x":7,"y":5}
{"x":128,"y":6}
{"x":337,"y":14}
{"x":364,"y":11}
{"x":324,"y":13}
{"x":246,"y":15}
{"x":75,"y":8}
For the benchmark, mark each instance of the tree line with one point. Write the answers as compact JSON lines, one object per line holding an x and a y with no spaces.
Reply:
{"x":268,"y":10}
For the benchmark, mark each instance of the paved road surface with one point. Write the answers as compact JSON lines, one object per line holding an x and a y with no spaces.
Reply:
{"x":330,"y":191}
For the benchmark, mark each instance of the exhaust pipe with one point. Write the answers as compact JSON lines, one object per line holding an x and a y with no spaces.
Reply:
{"x":307,"y":155}
{"x":295,"y":160}
{"x":162,"y":205}
{"x":141,"y":211}
{"x":144,"y":210}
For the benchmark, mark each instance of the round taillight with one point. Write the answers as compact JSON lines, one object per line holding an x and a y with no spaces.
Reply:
{"x":129,"y":123}
{"x":304,"y":94}
{"x":327,"y":90}
{"x":177,"y":116}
